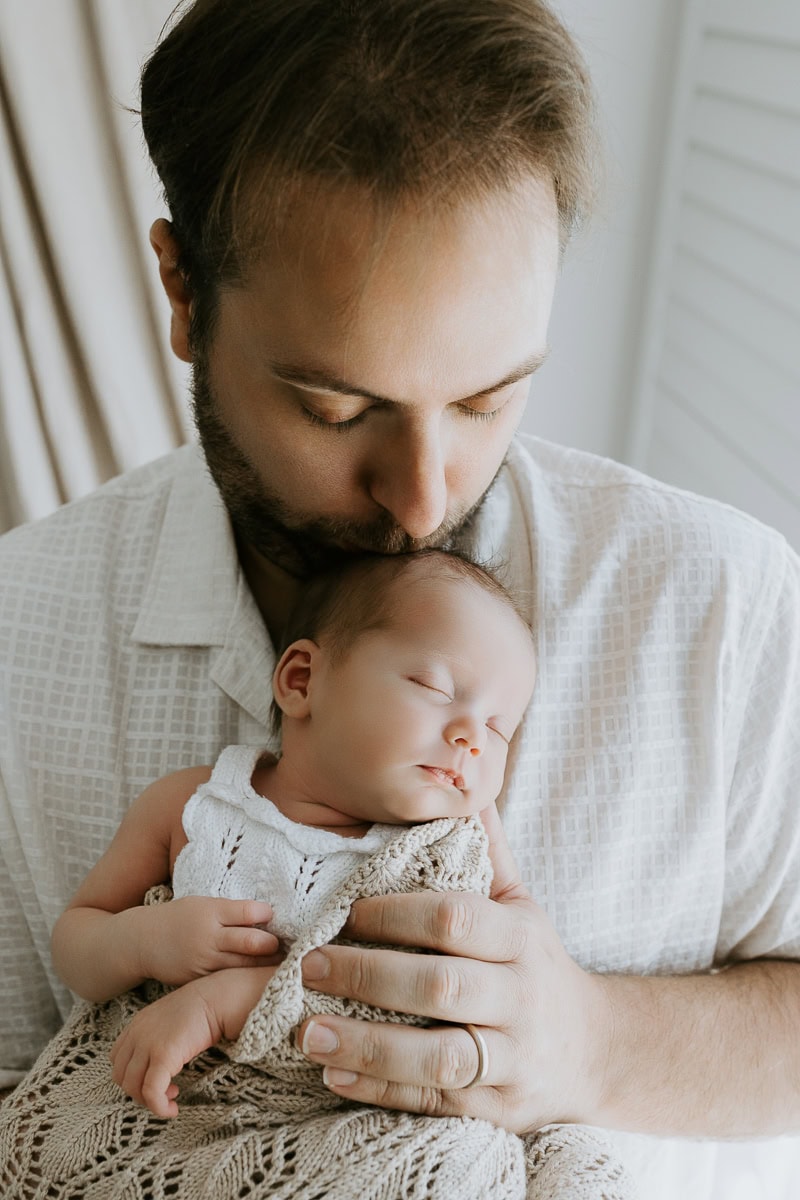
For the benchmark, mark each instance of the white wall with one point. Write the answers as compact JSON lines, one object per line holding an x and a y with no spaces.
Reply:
{"x":583,"y":395}
{"x":718,"y":396}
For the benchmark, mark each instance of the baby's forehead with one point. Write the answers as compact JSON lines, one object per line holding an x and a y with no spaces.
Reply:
{"x":454,"y":593}
{"x":400,"y":595}
{"x":458,"y":611}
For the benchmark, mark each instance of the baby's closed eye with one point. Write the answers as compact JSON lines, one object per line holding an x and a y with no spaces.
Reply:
{"x":432,"y":685}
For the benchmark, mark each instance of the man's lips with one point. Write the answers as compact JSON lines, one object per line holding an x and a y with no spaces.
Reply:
{"x":445,"y":775}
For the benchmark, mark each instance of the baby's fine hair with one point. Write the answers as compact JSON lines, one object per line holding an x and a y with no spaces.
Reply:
{"x":339,"y":605}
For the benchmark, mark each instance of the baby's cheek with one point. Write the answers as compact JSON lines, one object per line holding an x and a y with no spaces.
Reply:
{"x":498,"y":775}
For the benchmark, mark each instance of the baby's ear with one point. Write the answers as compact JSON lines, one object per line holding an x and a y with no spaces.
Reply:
{"x":292,"y":677}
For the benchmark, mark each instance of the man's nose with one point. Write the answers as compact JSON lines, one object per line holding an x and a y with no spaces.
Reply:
{"x":409,"y":479}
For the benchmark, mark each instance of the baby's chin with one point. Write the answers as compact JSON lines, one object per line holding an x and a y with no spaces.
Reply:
{"x":420,"y":811}
{"x":416,"y":798}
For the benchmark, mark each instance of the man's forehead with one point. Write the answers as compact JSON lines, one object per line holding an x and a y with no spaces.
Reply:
{"x":343,"y":237}
{"x":452,"y":296}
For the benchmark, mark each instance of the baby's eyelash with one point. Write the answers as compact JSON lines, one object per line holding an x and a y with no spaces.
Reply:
{"x":430,"y":687}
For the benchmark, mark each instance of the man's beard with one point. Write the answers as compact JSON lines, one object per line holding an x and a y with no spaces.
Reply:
{"x":297,"y":542}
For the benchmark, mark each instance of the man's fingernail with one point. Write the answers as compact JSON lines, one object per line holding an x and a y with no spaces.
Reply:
{"x":315,"y":966}
{"x":319,"y":1039}
{"x":334,"y":1077}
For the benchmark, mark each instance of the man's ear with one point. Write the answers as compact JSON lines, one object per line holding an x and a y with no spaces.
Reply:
{"x":291,"y":681}
{"x":167,"y":251}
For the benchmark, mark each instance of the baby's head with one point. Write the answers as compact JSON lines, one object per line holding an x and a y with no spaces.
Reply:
{"x":401,"y":683}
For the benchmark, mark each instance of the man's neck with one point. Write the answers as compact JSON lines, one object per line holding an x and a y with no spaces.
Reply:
{"x":274,"y":590}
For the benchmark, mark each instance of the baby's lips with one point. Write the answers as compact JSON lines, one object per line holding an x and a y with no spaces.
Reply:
{"x":446,"y":773}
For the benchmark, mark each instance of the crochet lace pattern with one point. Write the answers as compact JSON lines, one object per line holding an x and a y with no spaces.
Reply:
{"x":255,"y":1119}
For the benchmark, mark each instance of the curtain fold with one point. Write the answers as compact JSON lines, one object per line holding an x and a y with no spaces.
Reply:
{"x":88,"y":385}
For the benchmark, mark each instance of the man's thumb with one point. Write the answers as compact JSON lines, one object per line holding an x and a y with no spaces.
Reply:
{"x":507,"y":885}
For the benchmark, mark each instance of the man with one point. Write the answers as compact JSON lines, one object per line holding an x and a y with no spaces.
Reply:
{"x":368,"y":202}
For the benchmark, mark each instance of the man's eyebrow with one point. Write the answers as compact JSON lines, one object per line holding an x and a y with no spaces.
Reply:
{"x":322,"y":380}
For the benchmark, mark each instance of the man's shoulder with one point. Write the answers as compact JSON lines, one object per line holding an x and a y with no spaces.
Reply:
{"x":123,"y":501}
{"x":95,"y":555}
{"x":597,"y":498}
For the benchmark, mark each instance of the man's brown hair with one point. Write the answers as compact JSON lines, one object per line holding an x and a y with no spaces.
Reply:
{"x":437,"y":100}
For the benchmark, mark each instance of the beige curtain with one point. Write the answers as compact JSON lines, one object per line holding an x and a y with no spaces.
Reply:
{"x":88,"y":385}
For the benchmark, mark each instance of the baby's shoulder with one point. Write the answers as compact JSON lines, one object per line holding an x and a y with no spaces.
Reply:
{"x":161,"y":806}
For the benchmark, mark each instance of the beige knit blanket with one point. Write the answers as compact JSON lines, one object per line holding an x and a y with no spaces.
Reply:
{"x":255,"y":1119}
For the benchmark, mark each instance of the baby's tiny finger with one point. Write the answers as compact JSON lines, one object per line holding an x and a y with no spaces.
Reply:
{"x":251,"y":943}
{"x":158,"y":1091}
{"x":246,"y":912}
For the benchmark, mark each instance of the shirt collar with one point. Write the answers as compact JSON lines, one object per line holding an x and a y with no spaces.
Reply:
{"x":197,"y":594}
{"x":194,"y":579}
{"x":502,"y":533}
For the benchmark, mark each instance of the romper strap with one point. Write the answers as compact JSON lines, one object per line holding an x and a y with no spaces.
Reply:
{"x":234,"y":767}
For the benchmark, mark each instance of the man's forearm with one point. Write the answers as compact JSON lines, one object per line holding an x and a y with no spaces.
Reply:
{"x":702,"y":1056}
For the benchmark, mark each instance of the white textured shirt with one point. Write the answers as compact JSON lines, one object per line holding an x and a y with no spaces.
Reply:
{"x":652,"y":792}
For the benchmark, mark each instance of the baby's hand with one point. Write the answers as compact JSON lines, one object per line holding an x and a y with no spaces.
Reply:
{"x":163,"y":1037}
{"x":196,"y":935}
{"x":158,"y":1043}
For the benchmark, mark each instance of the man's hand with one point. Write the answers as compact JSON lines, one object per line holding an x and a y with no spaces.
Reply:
{"x":197,"y":935}
{"x":709,"y":1055}
{"x":174,"y":1029}
{"x":497,"y":964}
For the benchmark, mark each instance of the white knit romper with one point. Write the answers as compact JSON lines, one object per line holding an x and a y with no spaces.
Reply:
{"x":242,"y":848}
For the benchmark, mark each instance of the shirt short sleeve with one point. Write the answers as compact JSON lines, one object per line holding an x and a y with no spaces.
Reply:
{"x":761,"y":913}
{"x":28,"y":1012}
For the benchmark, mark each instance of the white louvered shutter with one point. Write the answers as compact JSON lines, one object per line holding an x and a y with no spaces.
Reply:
{"x":717,"y":408}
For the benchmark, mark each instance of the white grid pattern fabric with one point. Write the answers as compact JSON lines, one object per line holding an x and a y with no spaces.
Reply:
{"x":651,"y":796}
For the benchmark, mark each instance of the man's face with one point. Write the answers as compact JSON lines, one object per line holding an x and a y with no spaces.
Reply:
{"x":354,"y":398}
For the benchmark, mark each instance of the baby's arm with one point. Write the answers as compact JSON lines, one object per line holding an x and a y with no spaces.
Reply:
{"x":171,"y":1031}
{"x":107,"y":941}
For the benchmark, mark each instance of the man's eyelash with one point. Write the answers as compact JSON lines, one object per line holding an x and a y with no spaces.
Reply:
{"x":478,"y":415}
{"x":485,"y":415}
{"x":475,"y":414}
{"x":334,"y":426}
